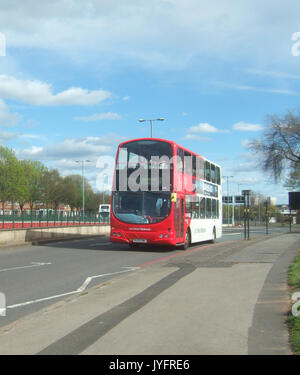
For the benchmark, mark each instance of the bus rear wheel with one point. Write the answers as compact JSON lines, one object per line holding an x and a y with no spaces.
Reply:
{"x":214,"y":236}
{"x":187,"y":239}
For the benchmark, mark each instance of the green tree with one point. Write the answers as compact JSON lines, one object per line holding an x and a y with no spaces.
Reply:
{"x":88,"y":193}
{"x":52,"y":188}
{"x":279,"y":147}
{"x":293,"y":181}
{"x":70,"y":192}
{"x":21,"y":189}
{"x":36,"y":170}
{"x":12,"y":178}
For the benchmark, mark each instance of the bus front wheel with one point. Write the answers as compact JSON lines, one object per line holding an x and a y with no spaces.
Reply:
{"x":133,"y":245}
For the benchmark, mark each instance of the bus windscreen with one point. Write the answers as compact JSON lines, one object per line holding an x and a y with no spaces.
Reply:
{"x":141,"y":207}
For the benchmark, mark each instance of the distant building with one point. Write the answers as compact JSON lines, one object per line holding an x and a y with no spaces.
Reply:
{"x":10,"y":207}
{"x":283,"y":209}
{"x":273,"y":201}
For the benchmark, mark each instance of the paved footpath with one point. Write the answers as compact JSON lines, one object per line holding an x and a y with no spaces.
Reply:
{"x":226,"y":298}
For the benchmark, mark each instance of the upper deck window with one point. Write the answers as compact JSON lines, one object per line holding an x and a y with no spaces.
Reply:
{"x":141,"y":152}
{"x":145,"y":165}
{"x":218,"y":176}
{"x":207,"y":171}
{"x":180,"y":159}
{"x":188,"y":168}
{"x":212,"y":173}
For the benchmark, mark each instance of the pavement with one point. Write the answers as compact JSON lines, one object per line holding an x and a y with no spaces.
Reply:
{"x":226,"y":298}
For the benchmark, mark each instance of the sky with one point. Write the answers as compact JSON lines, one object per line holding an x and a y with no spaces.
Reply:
{"x":76,"y":76}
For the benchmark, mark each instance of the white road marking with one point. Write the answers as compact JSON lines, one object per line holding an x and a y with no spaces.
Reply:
{"x":89,"y":279}
{"x":33,"y":264}
{"x":39,"y":300}
{"x":79,"y":290}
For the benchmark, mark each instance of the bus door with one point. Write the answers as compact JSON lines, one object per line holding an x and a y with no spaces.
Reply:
{"x":179,"y":219}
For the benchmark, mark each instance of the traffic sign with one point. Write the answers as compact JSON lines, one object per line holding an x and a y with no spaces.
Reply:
{"x":227,"y":199}
{"x":239,"y":199}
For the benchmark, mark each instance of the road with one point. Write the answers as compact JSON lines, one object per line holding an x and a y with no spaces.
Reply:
{"x":32,"y":277}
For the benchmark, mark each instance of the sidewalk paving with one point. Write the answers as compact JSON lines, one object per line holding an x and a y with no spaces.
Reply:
{"x":226,"y":298}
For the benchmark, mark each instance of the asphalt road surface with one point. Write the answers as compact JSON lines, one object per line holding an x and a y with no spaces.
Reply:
{"x":32,"y":277}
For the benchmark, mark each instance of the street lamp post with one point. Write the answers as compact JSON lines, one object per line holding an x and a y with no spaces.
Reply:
{"x":228,"y":198}
{"x":104,"y":177}
{"x":82,"y":163}
{"x":157,"y":119}
{"x":239,"y":204}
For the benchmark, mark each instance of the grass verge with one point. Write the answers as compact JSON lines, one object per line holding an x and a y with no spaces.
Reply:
{"x":294,"y":321}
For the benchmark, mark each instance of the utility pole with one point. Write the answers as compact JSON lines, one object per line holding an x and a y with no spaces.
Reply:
{"x":246,"y":194}
{"x":82,"y":163}
{"x":267,"y":215}
{"x":228,"y":197}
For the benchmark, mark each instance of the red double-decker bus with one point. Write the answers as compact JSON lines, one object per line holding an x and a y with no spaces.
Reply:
{"x":164,"y":194}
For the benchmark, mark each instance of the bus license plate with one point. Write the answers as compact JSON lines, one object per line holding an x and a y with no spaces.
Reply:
{"x":139,"y":240}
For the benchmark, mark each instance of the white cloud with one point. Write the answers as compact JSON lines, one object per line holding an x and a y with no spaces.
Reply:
{"x":31,"y":123}
{"x":40,"y":93}
{"x":245,"y":143}
{"x":73,"y":149}
{"x":33,"y":151}
{"x":126,"y":98}
{"x":254,"y":88}
{"x":7,"y":118}
{"x":7,"y":136}
{"x":99,"y":116}
{"x":273,"y":74}
{"x":156,"y":32}
{"x":32,"y":136}
{"x":246,"y":167}
{"x":244,"y":126}
{"x":194,"y":137}
{"x":3,"y":106}
{"x":206,"y":128}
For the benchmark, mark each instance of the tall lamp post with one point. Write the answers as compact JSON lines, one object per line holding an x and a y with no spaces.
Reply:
{"x":82,"y":163}
{"x":157,"y":119}
{"x":104,"y":177}
{"x":228,"y":177}
{"x":239,"y":204}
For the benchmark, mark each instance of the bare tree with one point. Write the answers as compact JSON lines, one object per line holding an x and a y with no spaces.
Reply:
{"x":279,"y":147}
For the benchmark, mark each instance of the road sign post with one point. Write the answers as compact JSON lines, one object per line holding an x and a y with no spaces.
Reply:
{"x":246,"y":194}
{"x":267,"y":216}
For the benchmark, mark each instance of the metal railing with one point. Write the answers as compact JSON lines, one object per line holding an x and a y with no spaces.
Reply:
{"x":22,"y":219}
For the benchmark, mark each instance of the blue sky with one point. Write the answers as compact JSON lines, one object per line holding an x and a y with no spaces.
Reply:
{"x":76,"y":77}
